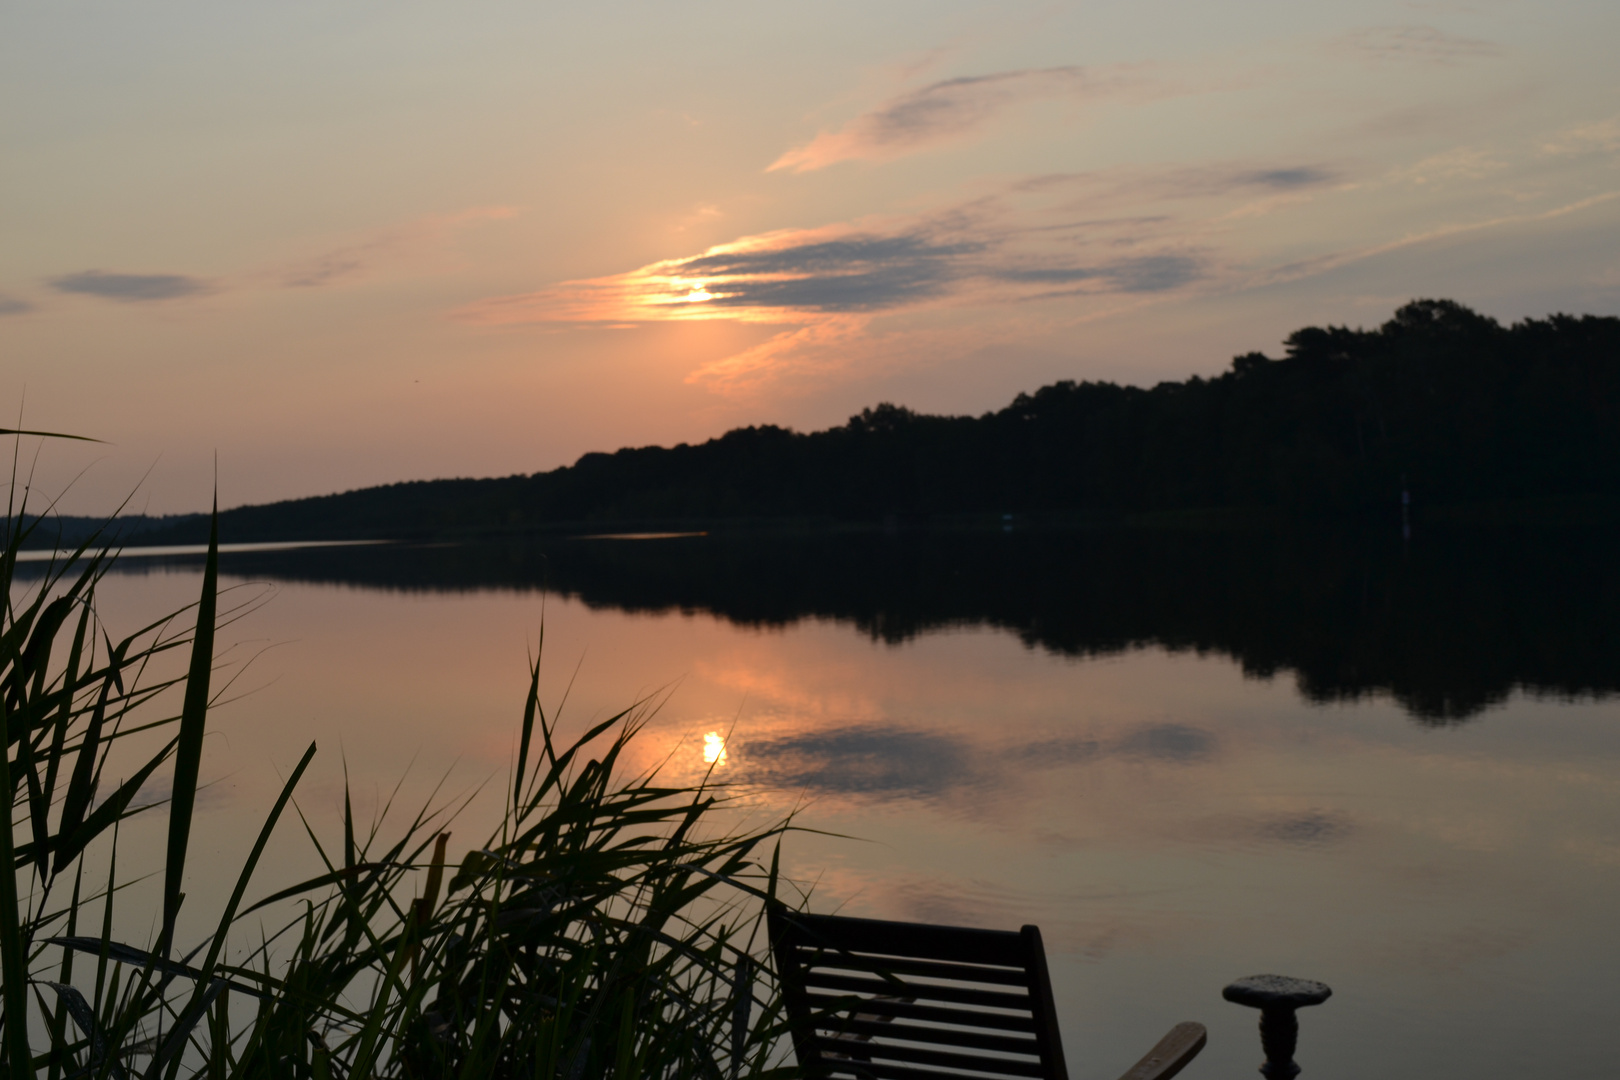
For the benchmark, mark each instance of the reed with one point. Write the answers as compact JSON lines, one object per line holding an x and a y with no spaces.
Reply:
{"x":610,"y":926}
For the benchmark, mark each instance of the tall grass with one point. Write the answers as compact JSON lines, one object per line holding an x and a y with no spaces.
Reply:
{"x":608,"y":927}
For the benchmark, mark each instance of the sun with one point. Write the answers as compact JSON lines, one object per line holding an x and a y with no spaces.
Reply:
{"x":714,"y":748}
{"x":697,"y":295}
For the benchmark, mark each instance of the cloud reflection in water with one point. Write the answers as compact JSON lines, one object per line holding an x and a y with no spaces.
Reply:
{"x":902,"y":763}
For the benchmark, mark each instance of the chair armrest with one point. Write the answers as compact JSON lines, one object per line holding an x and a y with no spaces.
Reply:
{"x":1170,"y":1054}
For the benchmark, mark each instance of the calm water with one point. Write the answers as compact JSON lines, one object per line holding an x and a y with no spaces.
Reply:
{"x":1188,"y":758}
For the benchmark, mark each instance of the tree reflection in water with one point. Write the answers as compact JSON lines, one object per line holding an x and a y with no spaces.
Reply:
{"x":1448,"y":624}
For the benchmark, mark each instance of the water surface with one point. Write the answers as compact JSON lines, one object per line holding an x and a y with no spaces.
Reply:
{"x":1188,"y":757}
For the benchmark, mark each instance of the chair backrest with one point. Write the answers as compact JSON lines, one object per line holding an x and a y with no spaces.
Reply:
{"x":877,"y":1000}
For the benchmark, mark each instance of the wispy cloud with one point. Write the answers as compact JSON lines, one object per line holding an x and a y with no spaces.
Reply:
{"x":129,"y":288}
{"x":1059,"y":250}
{"x":797,"y":276}
{"x":410,"y":247}
{"x":1320,"y":264}
{"x":1141,"y":274}
{"x":330,"y":267}
{"x":1416,"y":44}
{"x":1283,"y":179}
{"x":942,"y":111}
{"x":1049,"y":238}
{"x":1460,"y":163}
{"x":386,"y":247}
{"x":11,"y":305}
{"x":1602,"y":135}
{"x":1214,"y":181}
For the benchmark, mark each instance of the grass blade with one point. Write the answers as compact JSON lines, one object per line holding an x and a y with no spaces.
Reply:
{"x":50,"y":435}
{"x":530,"y":707}
{"x":229,"y":916}
{"x":184,"y":1025}
{"x":68,"y":847}
{"x":100,"y":1056}
{"x":188,"y":752}
{"x":13,"y":960}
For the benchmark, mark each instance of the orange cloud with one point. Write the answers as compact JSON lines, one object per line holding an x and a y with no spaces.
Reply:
{"x":875,"y":293}
{"x":838,"y":338}
{"x":789,"y":276}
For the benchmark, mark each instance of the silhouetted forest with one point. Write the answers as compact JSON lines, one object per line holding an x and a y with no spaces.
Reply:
{"x":1447,"y":623}
{"x":1440,"y":401}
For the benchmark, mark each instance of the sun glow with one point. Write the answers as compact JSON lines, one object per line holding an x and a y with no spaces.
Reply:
{"x":714,"y":748}
{"x":713,"y":284}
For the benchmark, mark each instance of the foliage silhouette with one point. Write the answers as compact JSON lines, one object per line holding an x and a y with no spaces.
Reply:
{"x":1439,"y":401}
{"x":607,"y":927}
{"x":1447,"y":623}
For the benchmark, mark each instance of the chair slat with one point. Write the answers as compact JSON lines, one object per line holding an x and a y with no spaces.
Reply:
{"x":879,"y":1052}
{"x":969,"y":1000}
{"x":861,"y":1070}
{"x":888,"y":1031}
{"x":874,"y":1000}
{"x":963,"y":944}
{"x":940,"y":1014}
{"x":962,"y":995}
{"x":934,"y":969}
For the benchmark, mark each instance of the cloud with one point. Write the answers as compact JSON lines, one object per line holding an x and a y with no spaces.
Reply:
{"x":799,"y":276}
{"x":1417,"y":44}
{"x":836,"y":291}
{"x":1054,"y":752}
{"x":1309,"y":828}
{"x":1091,"y":189}
{"x":997,"y":249}
{"x":1176,"y":743}
{"x":404,"y":247}
{"x":1321,"y":264}
{"x":1603,"y":135}
{"x":330,"y":267}
{"x":945,"y":110}
{"x":390,"y":247}
{"x":817,"y":349}
{"x":888,"y":762}
{"x":857,"y":298}
{"x":1286,"y":179}
{"x":859,"y":272}
{"x":1460,"y":163}
{"x":1303,"y":828}
{"x":876,"y":762}
{"x":129,"y":288}
{"x":1151,"y":273}
{"x":11,"y":305}
{"x":1218,"y":180}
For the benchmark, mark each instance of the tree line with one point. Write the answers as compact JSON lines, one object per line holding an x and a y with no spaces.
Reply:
{"x":1439,"y":401}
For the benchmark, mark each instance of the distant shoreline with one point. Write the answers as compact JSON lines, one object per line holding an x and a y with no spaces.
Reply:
{"x":1581,"y":511}
{"x":138,"y":551}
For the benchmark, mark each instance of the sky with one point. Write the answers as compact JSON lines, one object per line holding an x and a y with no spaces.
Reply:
{"x":312,"y":247}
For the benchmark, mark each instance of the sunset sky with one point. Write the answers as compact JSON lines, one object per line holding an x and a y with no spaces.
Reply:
{"x":348,"y":244}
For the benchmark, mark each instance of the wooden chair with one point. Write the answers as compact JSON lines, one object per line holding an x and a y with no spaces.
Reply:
{"x":874,"y":1000}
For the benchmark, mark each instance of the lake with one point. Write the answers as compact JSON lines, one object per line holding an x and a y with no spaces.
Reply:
{"x":1188,"y":756}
